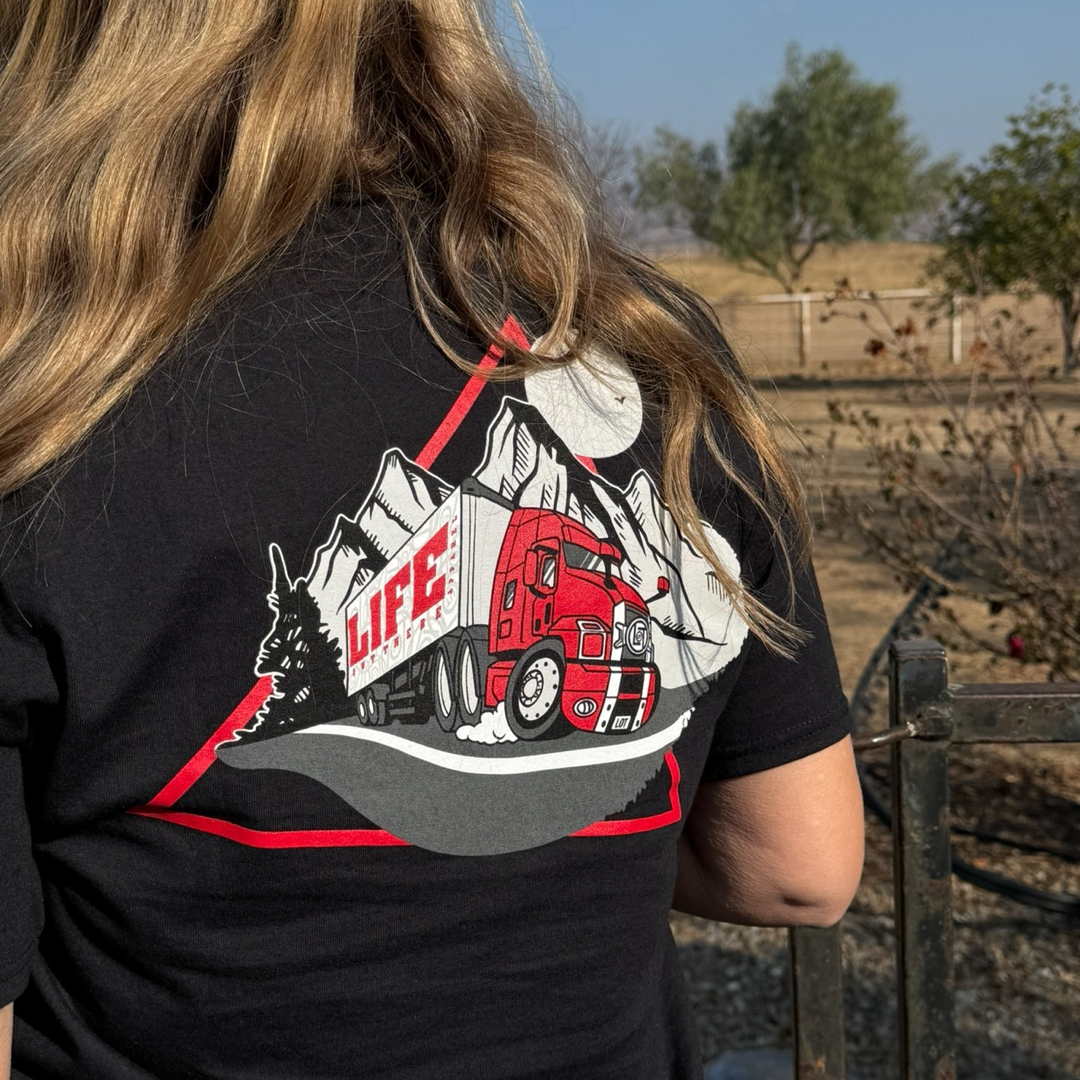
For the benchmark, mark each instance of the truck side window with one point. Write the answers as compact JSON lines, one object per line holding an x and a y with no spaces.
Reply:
{"x":509,"y":593}
{"x":547,"y":572}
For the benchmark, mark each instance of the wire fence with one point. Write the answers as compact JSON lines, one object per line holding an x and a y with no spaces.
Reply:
{"x":812,"y":330}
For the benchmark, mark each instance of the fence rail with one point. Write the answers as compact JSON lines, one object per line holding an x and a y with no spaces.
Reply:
{"x":927,"y":716}
{"x":787,"y":328}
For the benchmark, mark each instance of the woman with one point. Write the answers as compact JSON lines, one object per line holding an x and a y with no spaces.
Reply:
{"x":403,"y":596}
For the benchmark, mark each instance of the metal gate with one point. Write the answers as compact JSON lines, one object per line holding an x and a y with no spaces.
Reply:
{"x":927,"y":716}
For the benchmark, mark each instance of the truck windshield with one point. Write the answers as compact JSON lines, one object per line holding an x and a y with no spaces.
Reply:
{"x":582,"y":559}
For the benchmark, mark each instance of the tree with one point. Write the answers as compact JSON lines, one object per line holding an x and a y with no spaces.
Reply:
{"x":681,"y":178}
{"x":606,"y":151}
{"x":1014,"y":219}
{"x":827,"y":158}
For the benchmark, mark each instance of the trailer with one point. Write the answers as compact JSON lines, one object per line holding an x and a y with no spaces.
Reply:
{"x":489,"y":605}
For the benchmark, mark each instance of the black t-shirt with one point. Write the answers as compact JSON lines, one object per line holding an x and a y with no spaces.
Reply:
{"x":350,"y":708}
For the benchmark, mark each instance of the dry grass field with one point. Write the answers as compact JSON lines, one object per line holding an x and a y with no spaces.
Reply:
{"x":1018,"y":969}
{"x":866,"y":265}
{"x":767,"y":335}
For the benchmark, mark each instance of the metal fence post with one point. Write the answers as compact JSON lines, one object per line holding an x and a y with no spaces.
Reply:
{"x":818,"y":1003}
{"x":922,"y":862}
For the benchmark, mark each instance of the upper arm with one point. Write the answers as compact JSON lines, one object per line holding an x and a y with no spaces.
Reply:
{"x":784,"y":838}
{"x":775,"y":832}
{"x":6,"y":1015}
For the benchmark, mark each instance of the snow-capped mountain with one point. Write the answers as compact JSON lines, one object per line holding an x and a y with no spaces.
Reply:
{"x":402,"y":498}
{"x":528,"y":464}
{"x":697,"y":631}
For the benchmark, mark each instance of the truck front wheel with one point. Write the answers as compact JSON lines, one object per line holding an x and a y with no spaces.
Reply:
{"x":534,"y":693}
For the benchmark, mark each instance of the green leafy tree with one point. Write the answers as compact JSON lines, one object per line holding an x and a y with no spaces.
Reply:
{"x":1014,"y":219}
{"x":827,"y":158}
{"x":681,"y":178}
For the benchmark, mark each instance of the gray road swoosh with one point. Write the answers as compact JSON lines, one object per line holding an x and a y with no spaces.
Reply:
{"x":507,"y":766}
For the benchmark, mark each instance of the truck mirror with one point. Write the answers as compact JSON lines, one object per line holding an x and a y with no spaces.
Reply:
{"x":663,"y":586}
{"x":530,"y":567}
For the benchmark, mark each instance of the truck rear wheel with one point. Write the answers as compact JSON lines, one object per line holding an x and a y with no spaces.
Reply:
{"x":376,"y":709}
{"x":360,"y":703}
{"x":370,"y":711}
{"x":442,"y":692}
{"x":534,"y":693}
{"x":472,"y":665}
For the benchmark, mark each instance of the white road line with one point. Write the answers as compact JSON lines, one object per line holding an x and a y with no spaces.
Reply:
{"x":507,"y":766}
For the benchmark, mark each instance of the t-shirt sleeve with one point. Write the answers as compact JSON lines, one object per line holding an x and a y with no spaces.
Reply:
{"x":779,"y":709}
{"x":26,"y":683}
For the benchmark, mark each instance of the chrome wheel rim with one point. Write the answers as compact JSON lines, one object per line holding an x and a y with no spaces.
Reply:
{"x":539,"y":690}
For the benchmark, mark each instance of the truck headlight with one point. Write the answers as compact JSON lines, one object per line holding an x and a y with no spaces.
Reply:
{"x":637,"y":636}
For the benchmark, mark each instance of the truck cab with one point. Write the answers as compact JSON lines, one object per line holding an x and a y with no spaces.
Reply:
{"x":558,"y":598}
{"x":567,"y":643}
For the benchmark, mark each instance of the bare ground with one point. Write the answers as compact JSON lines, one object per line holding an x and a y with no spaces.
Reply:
{"x":1017,"y":968}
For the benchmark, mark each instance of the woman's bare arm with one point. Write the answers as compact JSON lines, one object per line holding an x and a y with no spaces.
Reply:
{"x":6,"y":1016}
{"x":783,"y":847}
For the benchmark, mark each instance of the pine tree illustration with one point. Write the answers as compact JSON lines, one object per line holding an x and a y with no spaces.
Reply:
{"x":302,"y":660}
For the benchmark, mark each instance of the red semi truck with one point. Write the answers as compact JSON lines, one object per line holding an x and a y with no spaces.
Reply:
{"x":489,"y":603}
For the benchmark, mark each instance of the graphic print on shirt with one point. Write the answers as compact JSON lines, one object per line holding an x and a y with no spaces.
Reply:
{"x":489,"y":667}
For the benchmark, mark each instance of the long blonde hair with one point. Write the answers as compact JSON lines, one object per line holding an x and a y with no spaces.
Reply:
{"x":153,"y":153}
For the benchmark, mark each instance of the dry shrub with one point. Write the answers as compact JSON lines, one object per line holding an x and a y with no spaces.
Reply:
{"x":978,"y":477}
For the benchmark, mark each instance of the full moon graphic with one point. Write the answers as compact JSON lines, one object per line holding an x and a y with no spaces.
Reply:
{"x":594,"y":407}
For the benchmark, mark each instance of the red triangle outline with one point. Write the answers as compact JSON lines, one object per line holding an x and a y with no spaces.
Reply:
{"x":162,"y":805}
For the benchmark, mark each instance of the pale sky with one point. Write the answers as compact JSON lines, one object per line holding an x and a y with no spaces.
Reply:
{"x":961,"y":66}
